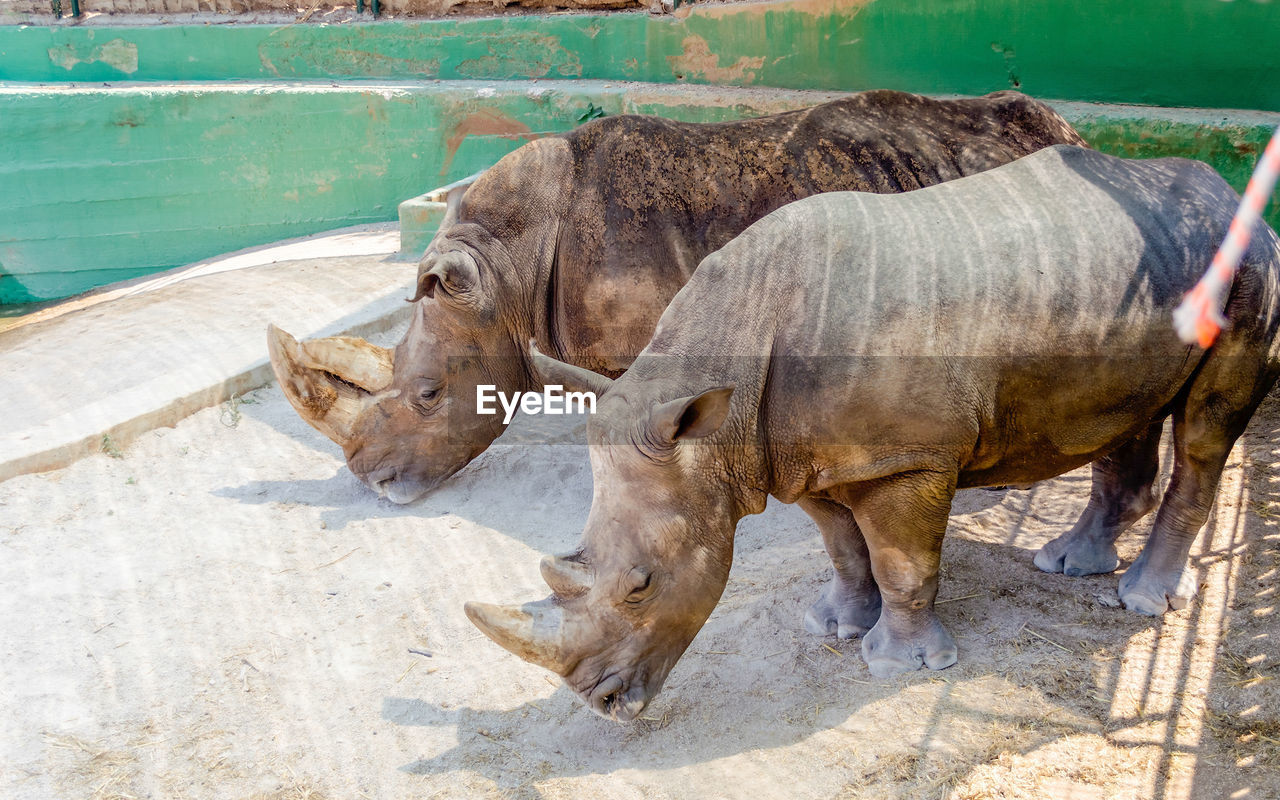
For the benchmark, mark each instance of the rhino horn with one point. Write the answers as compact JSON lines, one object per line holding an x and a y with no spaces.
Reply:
{"x":565,"y":576}
{"x":328,"y":381}
{"x":533,"y":631}
{"x":575,"y":379}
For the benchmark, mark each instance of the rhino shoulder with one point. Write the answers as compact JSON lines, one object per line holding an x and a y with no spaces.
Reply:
{"x":1011,"y":125}
{"x":1185,"y":180}
{"x":1031,"y":116}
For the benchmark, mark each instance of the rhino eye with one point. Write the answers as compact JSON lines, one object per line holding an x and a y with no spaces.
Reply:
{"x":426,"y":394}
{"x":641,"y":580}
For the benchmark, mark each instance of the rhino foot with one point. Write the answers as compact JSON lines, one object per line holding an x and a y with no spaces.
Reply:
{"x":887,"y":655}
{"x":1152,"y":592}
{"x":1077,"y":554}
{"x":843,"y":612}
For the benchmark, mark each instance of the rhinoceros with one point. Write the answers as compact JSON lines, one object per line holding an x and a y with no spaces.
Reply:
{"x":580,"y":241}
{"x":867,"y":355}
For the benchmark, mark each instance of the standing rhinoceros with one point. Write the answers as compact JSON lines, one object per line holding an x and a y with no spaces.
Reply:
{"x":580,"y":241}
{"x":865,"y":356}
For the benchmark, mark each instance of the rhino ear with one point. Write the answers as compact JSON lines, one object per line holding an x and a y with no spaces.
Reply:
{"x":453,"y":275}
{"x":548,"y":370}
{"x":692,"y":417}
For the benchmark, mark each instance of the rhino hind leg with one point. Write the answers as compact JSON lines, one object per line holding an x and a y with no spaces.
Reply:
{"x":903,"y":518}
{"x":1233,"y":380}
{"x":850,"y":602}
{"x":1123,"y":492}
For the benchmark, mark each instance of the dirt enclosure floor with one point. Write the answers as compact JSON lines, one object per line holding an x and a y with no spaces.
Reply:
{"x":221,"y":611}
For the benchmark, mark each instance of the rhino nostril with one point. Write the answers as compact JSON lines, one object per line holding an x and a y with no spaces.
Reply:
{"x":379,"y":481}
{"x":606,"y":693}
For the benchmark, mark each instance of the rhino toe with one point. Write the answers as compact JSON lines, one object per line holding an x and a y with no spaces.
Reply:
{"x":1075,"y":555}
{"x":842,"y":613}
{"x":1049,"y":558}
{"x":1153,"y":592}
{"x":887,"y":655}
{"x":819,"y":623}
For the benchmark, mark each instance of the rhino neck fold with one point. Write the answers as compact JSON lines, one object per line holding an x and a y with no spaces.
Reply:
{"x":546,"y":323}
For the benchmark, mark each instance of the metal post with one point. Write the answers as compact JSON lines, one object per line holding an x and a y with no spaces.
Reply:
{"x":375,"y":9}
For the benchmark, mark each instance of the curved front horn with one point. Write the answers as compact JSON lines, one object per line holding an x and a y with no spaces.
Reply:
{"x":533,"y":631}
{"x":566,"y":577}
{"x":328,"y":381}
{"x":574,"y":379}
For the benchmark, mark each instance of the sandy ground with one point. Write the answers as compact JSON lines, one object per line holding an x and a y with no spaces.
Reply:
{"x":222,"y":611}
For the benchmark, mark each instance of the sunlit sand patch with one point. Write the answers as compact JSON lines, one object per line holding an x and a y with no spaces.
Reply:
{"x":1163,"y":679}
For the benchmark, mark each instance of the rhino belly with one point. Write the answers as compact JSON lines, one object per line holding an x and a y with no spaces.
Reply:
{"x":1053,"y":415}
{"x":1002,"y":419}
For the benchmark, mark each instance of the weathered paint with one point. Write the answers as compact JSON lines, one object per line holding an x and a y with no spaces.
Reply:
{"x":486,"y":122}
{"x":1177,"y":53}
{"x":117,"y":54}
{"x":697,"y":63}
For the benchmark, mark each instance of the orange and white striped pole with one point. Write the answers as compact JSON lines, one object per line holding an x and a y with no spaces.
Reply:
{"x":1197,"y":320}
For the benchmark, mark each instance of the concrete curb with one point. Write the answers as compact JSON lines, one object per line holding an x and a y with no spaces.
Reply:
{"x":191,"y":339}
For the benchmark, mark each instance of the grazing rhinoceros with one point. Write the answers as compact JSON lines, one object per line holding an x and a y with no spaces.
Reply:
{"x":580,"y":241}
{"x":865,"y":356}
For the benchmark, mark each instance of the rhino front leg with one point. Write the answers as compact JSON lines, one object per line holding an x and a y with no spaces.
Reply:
{"x":903,"y":518}
{"x":1123,"y":492}
{"x":850,"y":603}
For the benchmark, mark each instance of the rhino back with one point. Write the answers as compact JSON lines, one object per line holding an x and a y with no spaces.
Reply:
{"x":652,"y":197}
{"x":1000,"y":317}
{"x":1069,"y":244}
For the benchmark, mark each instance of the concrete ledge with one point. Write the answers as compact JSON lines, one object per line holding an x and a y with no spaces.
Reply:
{"x":1159,"y":52}
{"x":421,"y":216}
{"x":135,"y":358}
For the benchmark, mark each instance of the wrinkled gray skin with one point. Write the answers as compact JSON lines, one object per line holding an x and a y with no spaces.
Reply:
{"x":865,"y":356}
{"x":580,"y":241}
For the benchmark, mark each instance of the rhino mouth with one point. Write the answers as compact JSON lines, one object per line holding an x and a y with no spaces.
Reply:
{"x":389,"y":483}
{"x":613,"y":699}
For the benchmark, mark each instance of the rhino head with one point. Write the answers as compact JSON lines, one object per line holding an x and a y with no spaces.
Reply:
{"x":405,"y":418}
{"x":655,"y":553}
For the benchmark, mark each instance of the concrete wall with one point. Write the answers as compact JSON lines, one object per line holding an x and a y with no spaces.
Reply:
{"x":129,"y":149}
{"x":1195,"y":53}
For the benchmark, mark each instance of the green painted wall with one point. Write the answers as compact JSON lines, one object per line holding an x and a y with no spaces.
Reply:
{"x":100,"y":184}
{"x":226,"y":136}
{"x":1192,"y":53}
